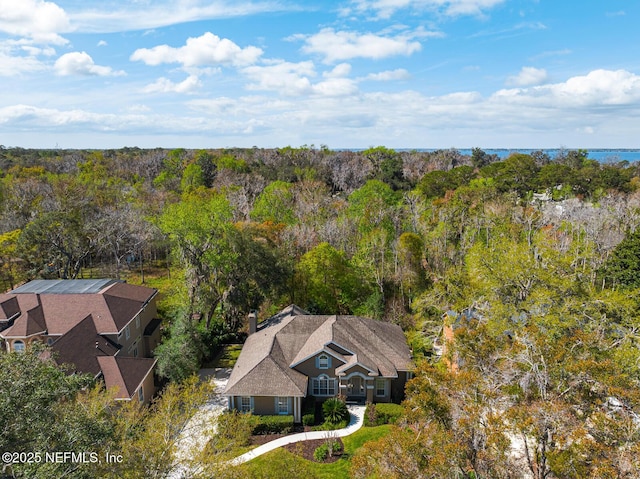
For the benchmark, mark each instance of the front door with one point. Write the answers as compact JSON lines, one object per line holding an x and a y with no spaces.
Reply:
{"x":355,"y":387}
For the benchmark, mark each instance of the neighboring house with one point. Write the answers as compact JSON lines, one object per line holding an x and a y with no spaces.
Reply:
{"x":102,"y":327}
{"x":294,"y":355}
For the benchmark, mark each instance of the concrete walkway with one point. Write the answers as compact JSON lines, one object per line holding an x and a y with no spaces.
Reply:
{"x":197,"y":432}
{"x":356,"y":419}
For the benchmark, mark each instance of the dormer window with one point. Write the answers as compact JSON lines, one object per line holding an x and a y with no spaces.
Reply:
{"x":324,"y":361}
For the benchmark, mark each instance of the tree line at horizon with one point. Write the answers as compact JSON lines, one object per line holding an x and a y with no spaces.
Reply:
{"x":534,"y":259}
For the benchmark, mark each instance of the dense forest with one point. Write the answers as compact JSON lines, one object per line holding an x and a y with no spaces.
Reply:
{"x":532,"y":262}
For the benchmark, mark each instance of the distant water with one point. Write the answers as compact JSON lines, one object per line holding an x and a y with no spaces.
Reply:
{"x":600,"y":155}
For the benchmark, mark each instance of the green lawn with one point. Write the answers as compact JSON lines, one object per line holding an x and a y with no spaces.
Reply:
{"x":275,"y":464}
{"x":226,"y":358}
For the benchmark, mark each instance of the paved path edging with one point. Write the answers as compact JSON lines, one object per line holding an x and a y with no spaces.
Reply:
{"x":356,"y":414}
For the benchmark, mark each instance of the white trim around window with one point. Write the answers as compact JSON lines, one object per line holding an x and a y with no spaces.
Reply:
{"x":245,"y":404}
{"x":283,"y":405}
{"x":323,"y":361}
{"x":323,"y":385}
{"x":381,"y":387}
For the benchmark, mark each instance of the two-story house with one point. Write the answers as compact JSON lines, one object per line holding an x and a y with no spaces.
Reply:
{"x":295,"y":354}
{"x":102,"y":327}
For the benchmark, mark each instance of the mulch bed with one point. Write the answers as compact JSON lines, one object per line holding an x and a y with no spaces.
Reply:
{"x":303,"y":449}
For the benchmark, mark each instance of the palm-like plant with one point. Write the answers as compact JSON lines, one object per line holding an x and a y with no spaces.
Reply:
{"x":335,"y":411}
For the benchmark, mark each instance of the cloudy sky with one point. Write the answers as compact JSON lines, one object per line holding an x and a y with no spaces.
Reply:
{"x":350,"y":74}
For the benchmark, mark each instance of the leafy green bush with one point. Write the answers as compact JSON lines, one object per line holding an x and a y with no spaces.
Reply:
{"x":321,"y":453}
{"x":235,"y":427}
{"x":388,"y":413}
{"x":273,"y":424}
{"x":382,"y":413}
{"x":308,"y":419}
{"x":335,"y":410}
{"x":330,"y":426}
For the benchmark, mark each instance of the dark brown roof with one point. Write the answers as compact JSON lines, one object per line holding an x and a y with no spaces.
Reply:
{"x":81,"y":347}
{"x":266,"y":365}
{"x":27,"y":324}
{"x":8,"y":307}
{"x":112,"y":307}
{"x":125,"y":374}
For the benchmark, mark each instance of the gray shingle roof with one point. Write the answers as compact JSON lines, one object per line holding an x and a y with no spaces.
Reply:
{"x":266,"y":365}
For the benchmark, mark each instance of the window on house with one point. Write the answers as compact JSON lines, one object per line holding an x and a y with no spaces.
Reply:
{"x":127,"y":333}
{"x":324,"y":362}
{"x":138,"y":322}
{"x":245,"y":404}
{"x":323,"y":386}
{"x":141,"y":394}
{"x":282,"y":405}
{"x":18,"y":346}
{"x":381,"y":387}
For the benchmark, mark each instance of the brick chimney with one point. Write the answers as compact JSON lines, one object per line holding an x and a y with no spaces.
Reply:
{"x":253,"y":322}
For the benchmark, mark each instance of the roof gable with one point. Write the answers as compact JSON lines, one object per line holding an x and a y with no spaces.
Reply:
{"x":125,"y":374}
{"x":271,"y":379}
{"x":28,"y":324}
{"x":82,"y":346}
{"x":8,"y":307}
{"x":264,"y":367}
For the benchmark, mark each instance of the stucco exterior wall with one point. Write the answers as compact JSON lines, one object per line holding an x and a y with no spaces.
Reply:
{"x":148,"y":388}
{"x":308,"y":367}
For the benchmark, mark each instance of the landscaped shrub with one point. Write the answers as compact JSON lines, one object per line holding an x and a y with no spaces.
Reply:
{"x":273,"y":424}
{"x":309,"y":419}
{"x":327,"y":449}
{"x":370,"y":415}
{"x":382,"y":413}
{"x":388,"y":413}
{"x":330,"y":426}
{"x":335,"y":410}
{"x":321,"y":453}
{"x":233,"y":429}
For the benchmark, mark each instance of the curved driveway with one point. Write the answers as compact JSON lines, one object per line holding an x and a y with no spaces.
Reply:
{"x":196,"y":432}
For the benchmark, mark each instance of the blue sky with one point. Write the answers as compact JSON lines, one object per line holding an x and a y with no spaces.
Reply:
{"x":351,"y":74}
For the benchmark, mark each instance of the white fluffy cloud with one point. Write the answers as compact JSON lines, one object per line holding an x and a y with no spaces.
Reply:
{"x":164,"y":85}
{"x":81,"y":63}
{"x":342,"y":45}
{"x":340,"y":70}
{"x":285,"y":77}
{"x":576,"y":111}
{"x":390,"y":75}
{"x":597,"y":88}
{"x":204,"y":51}
{"x":38,"y":20}
{"x":295,"y":79}
{"x":11,"y":65}
{"x":528,"y":76}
